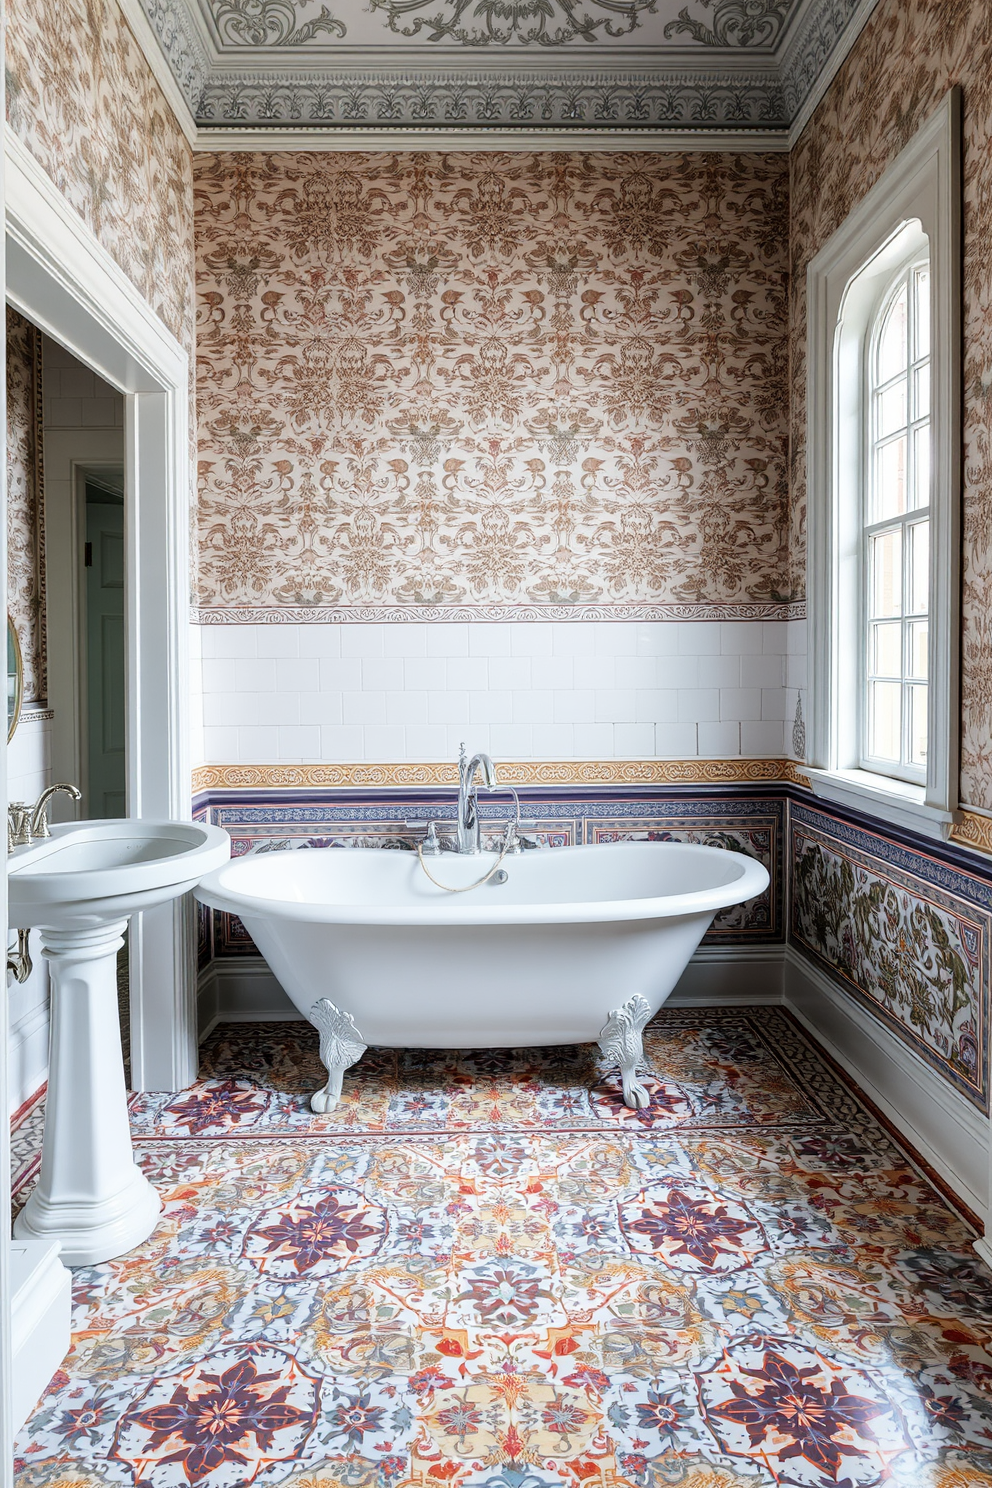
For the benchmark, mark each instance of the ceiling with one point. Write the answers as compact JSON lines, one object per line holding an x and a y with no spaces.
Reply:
{"x":652,"y":67}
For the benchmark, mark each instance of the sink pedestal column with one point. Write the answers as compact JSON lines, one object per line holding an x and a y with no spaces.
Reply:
{"x":91,"y":1197}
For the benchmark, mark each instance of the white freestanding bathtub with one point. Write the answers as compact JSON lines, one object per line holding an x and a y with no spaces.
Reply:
{"x":576,"y":944}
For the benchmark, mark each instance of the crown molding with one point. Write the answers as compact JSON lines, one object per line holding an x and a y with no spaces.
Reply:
{"x":163,"y":62}
{"x":816,"y":56}
{"x":691,"y":97}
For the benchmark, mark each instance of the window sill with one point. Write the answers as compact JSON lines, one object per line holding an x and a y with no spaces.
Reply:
{"x":890,"y":800}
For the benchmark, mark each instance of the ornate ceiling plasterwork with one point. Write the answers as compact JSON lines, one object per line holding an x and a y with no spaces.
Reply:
{"x":508,"y":65}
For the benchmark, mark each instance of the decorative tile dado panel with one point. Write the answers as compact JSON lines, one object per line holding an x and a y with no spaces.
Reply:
{"x":26,"y":503}
{"x":907,"y":934}
{"x":492,"y":385}
{"x":752,"y":826}
{"x":909,"y":54}
{"x":83,"y":99}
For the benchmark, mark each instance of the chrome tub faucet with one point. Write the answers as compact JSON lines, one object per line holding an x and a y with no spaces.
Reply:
{"x":468,"y":826}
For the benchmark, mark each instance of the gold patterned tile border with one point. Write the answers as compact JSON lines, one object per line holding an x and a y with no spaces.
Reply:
{"x":519,"y":773}
{"x":972,"y":830}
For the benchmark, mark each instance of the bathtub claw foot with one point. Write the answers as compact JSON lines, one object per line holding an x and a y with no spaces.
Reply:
{"x":621,"y":1043}
{"x":341,"y":1045}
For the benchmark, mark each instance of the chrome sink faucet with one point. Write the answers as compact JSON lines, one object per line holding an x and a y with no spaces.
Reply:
{"x":469,"y":838}
{"x":26,"y":823}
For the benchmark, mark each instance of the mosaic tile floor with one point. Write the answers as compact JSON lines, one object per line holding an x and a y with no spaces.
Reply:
{"x":479,"y":1273}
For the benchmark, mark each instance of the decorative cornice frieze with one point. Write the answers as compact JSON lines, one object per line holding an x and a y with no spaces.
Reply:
{"x":519,"y":773}
{"x":668,"y":90}
{"x":461,"y":614}
{"x":181,"y":46}
{"x":508,"y":101}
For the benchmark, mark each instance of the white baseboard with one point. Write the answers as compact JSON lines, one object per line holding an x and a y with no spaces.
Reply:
{"x":41,"y":1292}
{"x":945,"y":1129}
{"x":721,"y":976}
{"x":245,"y":991}
{"x":27,"y":1053}
{"x":242,"y":991}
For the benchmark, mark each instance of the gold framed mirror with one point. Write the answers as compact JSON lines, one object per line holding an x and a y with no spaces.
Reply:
{"x":15,"y":679}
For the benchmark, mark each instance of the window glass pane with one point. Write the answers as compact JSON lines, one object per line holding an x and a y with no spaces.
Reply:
{"x":892,"y":342}
{"x":886,"y":571}
{"x":886,"y":651}
{"x":890,"y":474}
{"x":921,"y":470}
{"x":922,"y":313}
{"x":921,"y":377}
{"x":885,"y":733}
{"x":918,"y":724}
{"x":890,"y":409}
{"x":918,"y":599}
{"x":918,"y":648}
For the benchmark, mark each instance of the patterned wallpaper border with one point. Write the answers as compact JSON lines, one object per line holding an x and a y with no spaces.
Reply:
{"x":422,"y":614}
{"x":518,"y":773}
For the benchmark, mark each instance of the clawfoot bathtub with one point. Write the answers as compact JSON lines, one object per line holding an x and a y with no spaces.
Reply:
{"x":562,"y":946}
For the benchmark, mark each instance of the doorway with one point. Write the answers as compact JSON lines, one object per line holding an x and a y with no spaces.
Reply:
{"x":103,"y":653}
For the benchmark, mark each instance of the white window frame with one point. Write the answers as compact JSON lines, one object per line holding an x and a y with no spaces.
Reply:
{"x":915,"y":205}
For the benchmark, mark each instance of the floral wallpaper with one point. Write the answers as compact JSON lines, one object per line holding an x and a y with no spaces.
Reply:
{"x":84,"y":101}
{"x":505,"y":385}
{"x":905,"y":934}
{"x":909,"y":54}
{"x":26,"y":503}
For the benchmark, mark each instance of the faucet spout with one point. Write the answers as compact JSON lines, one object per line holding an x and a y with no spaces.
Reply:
{"x":469,"y":834}
{"x":39,"y":819}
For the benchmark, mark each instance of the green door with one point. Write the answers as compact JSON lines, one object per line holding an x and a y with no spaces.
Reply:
{"x":105,"y":706}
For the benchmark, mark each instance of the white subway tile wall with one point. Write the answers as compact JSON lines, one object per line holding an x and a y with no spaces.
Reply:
{"x":304,"y":694}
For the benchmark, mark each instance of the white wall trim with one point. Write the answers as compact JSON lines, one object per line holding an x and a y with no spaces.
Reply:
{"x":7,"y":1278}
{"x":243,"y":990}
{"x":62,"y":280}
{"x":922,"y":184}
{"x":28,"y":1056}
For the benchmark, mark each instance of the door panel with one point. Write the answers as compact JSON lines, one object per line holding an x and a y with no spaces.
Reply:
{"x":105,"y":658}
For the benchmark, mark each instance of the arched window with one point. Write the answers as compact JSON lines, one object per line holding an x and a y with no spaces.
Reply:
{"x":884,"y":482}
{"x":895,"y":528}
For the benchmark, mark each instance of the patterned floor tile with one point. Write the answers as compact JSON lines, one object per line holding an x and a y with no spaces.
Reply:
{"x":761,"y":1292}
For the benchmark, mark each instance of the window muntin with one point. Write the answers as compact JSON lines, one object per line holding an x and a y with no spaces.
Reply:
{"x":895,"y":529}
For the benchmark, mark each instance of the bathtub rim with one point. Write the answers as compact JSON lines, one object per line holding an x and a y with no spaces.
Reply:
{"x":752,"y":880}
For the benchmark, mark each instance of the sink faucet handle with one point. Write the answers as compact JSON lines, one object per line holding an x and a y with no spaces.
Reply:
{"x":39,"y":820}
{"x":18,"y":825}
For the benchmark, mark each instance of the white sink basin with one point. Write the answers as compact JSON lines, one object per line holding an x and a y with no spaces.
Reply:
{"x":91,"y":872}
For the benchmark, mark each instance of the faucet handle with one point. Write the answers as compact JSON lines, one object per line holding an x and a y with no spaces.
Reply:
{"x":18,"y":825}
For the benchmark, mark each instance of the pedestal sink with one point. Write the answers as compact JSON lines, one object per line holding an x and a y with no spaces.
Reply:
{"x":78,"y":887}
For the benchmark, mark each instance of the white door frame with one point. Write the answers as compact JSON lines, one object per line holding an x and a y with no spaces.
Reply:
{"x":61,"y":279}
